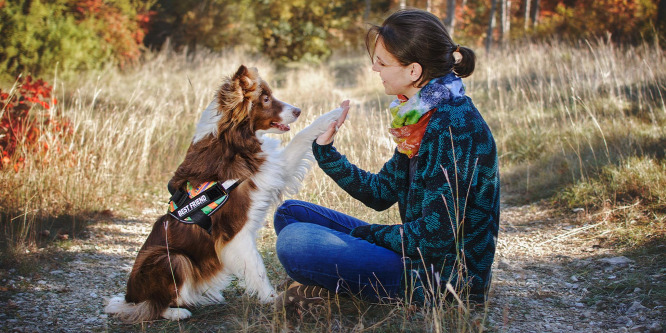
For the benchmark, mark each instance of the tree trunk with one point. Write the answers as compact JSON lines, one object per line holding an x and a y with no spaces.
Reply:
{"x":507,"y":22}
{"x":429,"y":5}
{"x":403,"y":4}
{"x":491,"y":26}
{"x":526,"y":13}
{"x":535,"y":12}
{"x":366,"y":12}
{"x":450,"y":16}
{"x":661,"y":15}
{"x":502,"y":21}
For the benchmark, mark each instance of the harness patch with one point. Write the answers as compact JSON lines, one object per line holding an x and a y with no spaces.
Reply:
{"x":196,"y":205}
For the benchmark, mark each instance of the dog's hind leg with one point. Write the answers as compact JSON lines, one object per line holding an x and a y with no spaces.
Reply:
{"x":176,"y":314}
{"x":241,"y":258}
{"x":213,"y":293}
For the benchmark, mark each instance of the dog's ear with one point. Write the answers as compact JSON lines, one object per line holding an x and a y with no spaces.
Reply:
{"x":236,"y":95}
{"x":247,"y":79}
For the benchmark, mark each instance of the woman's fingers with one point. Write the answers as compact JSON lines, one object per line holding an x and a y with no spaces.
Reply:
{"x":327,"y":137}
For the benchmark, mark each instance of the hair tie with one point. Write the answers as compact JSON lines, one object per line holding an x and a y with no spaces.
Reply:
{"x":457,"y":56}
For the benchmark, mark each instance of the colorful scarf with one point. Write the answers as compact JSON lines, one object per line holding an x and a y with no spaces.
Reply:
{"x":411,"y":116}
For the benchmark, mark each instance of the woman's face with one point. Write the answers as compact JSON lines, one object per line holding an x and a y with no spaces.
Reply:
{"x":396,"y":78}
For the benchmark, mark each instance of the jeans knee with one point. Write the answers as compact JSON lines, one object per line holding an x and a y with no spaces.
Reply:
{"x":282,"y":213}
{"x":288,"y":245}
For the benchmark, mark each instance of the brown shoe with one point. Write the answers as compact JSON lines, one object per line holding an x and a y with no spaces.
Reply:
{"x":302,"y":296}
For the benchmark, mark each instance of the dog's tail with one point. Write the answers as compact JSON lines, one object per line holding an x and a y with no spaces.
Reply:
{"x":132,"y":313}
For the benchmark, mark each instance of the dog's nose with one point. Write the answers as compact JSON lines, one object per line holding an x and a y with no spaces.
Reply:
{"x":297,"y":112}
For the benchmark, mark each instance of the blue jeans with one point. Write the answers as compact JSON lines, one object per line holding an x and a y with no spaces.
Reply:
{"x":315,"y":248}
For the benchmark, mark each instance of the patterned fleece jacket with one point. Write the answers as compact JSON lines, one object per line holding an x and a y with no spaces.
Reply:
{"x":450,"y":210}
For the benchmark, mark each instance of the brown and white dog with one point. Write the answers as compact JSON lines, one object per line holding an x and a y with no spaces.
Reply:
{"x":182,"y":265}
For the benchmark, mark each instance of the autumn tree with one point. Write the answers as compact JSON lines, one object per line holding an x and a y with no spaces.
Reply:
{"x":304,"y":30}
{"x":212,"y":24}
{"x":72,"y":35}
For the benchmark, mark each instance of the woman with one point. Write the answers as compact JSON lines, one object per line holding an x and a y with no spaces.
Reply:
{"x":443,"y":175}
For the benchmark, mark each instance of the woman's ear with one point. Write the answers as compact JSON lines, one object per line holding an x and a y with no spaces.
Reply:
{"x":416,"y":71}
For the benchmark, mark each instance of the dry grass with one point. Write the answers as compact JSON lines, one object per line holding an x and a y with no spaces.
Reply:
{"x":581,"y":124}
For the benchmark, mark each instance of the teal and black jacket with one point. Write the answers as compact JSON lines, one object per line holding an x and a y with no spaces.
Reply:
{"x":450,"y":209}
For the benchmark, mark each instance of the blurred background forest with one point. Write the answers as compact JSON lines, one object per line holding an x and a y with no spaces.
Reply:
{"x":40,"y":37}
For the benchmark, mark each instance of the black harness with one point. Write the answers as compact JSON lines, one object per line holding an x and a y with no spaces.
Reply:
{"x":198,"y":209}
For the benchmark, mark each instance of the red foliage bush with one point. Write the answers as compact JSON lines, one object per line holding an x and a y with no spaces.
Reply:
{"x":21,"y":131}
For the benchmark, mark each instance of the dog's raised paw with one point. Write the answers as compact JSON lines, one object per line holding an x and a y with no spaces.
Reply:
{"x":320,"y":125}
{"x":176,"y":313}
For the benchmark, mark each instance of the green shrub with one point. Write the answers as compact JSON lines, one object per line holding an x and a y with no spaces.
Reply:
{"x":38,"y":37}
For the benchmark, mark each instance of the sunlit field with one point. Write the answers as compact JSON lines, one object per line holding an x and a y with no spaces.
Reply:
{"x":577,"y":125}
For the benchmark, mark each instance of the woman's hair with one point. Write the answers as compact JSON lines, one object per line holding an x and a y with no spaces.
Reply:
{"x":414,"y":35}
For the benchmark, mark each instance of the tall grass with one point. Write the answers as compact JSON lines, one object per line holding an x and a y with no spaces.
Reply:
{"x":580,"y":124}
{"x":561,"y":112}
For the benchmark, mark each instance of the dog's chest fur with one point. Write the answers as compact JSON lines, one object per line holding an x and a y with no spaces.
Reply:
{"x":269,"y":182}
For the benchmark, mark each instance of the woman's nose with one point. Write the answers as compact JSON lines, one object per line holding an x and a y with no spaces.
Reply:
{"x":375,"y":67}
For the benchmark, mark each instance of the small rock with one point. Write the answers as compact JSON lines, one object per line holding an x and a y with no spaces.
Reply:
{"x":45,"y":233}
{"x":637,"y":290}
{"x":635,"y":308}
{"x":579,"y":210}
{"x":624,"y":321}
{"x":579,"y":305}
{"x":617,"y":261}
{"x":638,"y":328}
{"x":656,"y":328}
{"x":574,"y":278}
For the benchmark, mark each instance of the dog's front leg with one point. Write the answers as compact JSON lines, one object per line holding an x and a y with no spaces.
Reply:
{"x":300,"y":147}
{"x":241,"y":258}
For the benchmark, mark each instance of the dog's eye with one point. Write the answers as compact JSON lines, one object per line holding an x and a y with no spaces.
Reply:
{"x":265,"y":99}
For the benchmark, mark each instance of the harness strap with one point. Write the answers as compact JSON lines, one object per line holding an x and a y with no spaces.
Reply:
{"x":189,"y":210}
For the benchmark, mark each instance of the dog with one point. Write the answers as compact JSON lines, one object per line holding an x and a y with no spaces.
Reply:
{"x":182,"y":264}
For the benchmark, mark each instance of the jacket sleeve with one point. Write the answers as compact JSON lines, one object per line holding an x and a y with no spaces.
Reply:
{"x":433,"y":234}
{"x":377,"y":191}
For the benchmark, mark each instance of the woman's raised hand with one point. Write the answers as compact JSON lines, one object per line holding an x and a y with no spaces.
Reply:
{"x":327,"y":137}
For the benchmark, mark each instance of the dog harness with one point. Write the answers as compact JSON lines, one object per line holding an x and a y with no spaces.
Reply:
{"x":195,"y":206}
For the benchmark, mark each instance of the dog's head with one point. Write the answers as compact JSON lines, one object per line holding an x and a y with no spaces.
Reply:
{"x":246,"y":100}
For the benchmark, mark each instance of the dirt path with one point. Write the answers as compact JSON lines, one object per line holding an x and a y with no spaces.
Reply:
{"x":549,"y":276}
